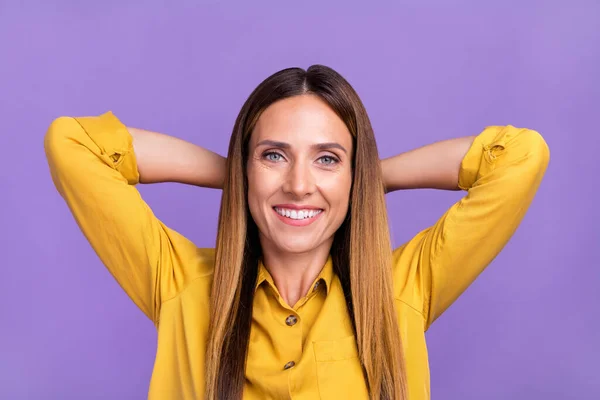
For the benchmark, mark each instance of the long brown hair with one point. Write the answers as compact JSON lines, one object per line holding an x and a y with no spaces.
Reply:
{"x":361,"y":249}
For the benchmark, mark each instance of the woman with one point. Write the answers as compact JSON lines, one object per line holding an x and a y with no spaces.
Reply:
{"x":303,"y":296}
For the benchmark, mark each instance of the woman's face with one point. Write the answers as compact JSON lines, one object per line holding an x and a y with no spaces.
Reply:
{"x":299,"y":174}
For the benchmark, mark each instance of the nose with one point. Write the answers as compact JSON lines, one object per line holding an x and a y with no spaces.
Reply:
{"x":299,"y":181}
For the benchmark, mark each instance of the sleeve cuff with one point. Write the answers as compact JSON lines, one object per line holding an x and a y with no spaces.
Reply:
{"x":114,"y":141}
{"x":480,"y":158}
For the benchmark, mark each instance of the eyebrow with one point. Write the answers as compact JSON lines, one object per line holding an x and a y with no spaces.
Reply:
{"x":319,"y":146}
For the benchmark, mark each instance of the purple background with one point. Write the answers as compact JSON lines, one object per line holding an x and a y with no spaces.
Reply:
{"x":426,"y":70}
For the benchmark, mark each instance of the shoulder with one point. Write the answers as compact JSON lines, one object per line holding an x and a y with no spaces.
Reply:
{"x":204,"y":263}
{"x":195,"y":271}
{"x":406,"y":272}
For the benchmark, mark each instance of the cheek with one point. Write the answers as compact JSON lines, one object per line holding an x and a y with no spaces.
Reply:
{"x":253,"y":194}
{"x":261,"y":186}
{"x":337,"y":191}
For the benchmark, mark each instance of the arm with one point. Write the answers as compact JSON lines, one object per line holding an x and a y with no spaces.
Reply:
{"x":434,"y":166}
{"x":501,"y":172}
{"x":94,"y":168}
{"x":162,"y":158}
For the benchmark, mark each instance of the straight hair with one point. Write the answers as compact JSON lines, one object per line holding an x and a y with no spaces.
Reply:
{"x":361,"y":249}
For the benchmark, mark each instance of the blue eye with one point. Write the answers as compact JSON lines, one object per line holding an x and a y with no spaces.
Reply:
{"x":272,"y":156}
{"x":328,"y":160}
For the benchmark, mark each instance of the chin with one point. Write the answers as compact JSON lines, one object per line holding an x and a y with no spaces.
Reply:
{"x":300,"y":245}
{"x":295,"y":248}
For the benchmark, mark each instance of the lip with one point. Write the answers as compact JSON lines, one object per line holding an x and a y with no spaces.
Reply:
{"x":297,"y":207}
{"x":297,"y":222}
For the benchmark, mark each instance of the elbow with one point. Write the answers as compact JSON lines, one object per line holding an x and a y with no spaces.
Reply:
{"x":56,"y":138}
{"x":539,"y":151}
{"x":58,"y":145}
{"x":55,"y":134}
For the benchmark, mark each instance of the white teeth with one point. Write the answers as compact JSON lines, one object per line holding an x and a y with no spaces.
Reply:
{"x":297,"y":214}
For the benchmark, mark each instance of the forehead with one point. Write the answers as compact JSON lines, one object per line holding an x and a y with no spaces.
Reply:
{"x":301,"y":119}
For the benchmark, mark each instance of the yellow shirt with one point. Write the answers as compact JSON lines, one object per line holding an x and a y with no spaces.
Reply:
{"x":94,"y":168}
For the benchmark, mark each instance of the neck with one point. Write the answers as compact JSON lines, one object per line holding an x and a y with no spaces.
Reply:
{"x":294,"y":273}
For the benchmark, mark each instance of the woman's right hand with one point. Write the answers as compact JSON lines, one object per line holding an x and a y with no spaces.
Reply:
{"x":163,"y":158}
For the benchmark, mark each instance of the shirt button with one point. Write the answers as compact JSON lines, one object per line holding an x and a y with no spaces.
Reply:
{"x":291,"y":320}
{"x":317,"y":285}
{"x":289,"y":365}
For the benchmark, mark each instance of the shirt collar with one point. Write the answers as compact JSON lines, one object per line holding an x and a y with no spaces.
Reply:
{"x":324,"y":277}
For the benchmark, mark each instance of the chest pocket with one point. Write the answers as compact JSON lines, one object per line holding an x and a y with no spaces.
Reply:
{"x":339,"y":372}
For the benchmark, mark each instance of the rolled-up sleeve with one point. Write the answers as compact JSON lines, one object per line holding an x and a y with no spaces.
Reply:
{"x":94,"y":168}
{"x":501,"y":173}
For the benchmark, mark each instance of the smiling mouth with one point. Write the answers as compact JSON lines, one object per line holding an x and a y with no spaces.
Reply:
{"x":297,"y":215}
